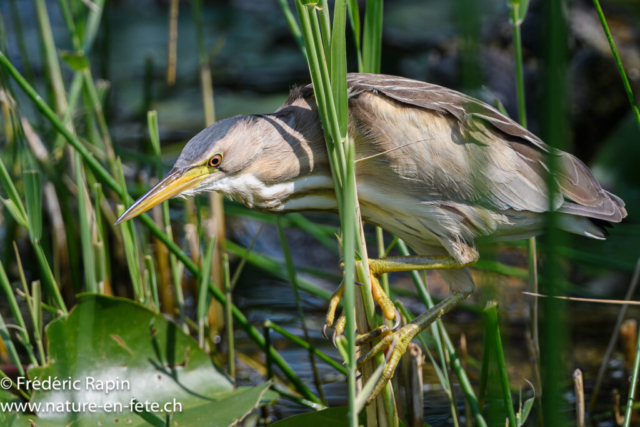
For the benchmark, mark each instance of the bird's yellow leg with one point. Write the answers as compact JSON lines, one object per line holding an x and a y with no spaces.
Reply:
{"x":383,"y":266}
{"x":399,"y":341}
{"x":378,"y":266}
{"x":419,"y":262}
{"x":388,"y":309}
{"x":333,"y":304}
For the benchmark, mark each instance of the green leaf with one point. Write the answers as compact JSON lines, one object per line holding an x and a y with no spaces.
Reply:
{"x":33,"y":193}
{"x":335,"y":417}
{"x":339,"y":66}
{"x":225,"y":412}
{"x":11,"y":349}
{"x":76,"y":60}
{"x":520,"y":7}
{"x":525,"y":409}
{"x":86,"y":233}
{"x":7,"y":184}
{"x":16,"y":213}
{"x":154,"y":135}
{"x":107,"y":338}
{"x":372,"y":37}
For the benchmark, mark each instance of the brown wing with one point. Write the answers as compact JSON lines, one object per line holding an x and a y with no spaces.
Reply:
{"x":582,"y":193}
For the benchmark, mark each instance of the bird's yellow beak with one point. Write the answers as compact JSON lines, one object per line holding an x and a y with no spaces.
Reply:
{"x":174,"y":184}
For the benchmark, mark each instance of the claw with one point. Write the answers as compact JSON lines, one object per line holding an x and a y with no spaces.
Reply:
{"x":324,"y":332}
{"x":389,"y":350}
{"x":358,"y":283}
{"x":333,"y":338}
{"x":398,"y":321}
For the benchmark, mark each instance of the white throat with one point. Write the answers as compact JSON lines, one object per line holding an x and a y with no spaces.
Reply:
{"x":281,"y":197}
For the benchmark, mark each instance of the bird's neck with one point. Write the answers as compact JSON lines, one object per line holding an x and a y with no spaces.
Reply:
{"x":302,"y":193}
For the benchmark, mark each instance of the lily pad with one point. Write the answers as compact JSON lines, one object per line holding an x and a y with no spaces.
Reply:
{"x":111,"y":351}
{"x":225,"y":412}
{"x":335,"y":417}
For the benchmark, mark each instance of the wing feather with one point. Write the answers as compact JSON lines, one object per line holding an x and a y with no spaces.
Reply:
{"x":518,"y":184}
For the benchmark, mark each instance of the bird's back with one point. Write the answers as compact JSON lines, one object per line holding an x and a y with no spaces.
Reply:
{"x":458,"y":169}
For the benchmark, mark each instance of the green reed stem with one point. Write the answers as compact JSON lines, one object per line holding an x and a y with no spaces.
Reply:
{"x":372,"y":38}
{"x":306,"y":345}
{"x":231,"y":355}
{"x":553,"y":330}
{"x":154,"y":136}
{"x":266,"y":330}
{"x":456,"y":364}
{"x":36,"y":310}
{"x":303,"y":324}
{"x":354,"y":18}
{"x":86,"y":239}
{"x":11,"y":349}
{"x":153,"y":282}
{"x":51,"y":57}
{"x":293,"y":25}
{"x":532,"y":255}
{"x":15,"y":387}
{"x":17,"y":314}
{"x":491,"y":317}
{"x":616,"y":55}
{"x":203,"y":304}
{"x":634,"y":383}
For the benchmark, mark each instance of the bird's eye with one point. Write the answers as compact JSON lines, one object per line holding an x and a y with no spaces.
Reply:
{"x":215,"y":161}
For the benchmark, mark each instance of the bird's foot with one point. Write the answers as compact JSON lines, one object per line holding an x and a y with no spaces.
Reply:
{"x":394,"y":344}
{"x":379,"y":296}
{"x":397,"y":342}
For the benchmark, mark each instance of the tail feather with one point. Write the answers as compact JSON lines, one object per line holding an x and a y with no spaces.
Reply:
{"x":611,"y":209}
{"x":584,"y":196}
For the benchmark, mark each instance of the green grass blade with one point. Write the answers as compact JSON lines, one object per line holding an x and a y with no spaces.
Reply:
{"x":11,"y":349}
{"x":354,"y":18}
{"x":153,"y":282}
{"x":616,"y":55}
{"x":203,"y":303}
{"x":305,"y":344}
{"x":338,"y":65}
{"x":372,"y":39}
{"x":17,"y":314}
{"x":634,"y":384}
{"x":325,"y":23}
{"x":231,"y":354}
{"x":491,"y":317}
{"x":448,"y":345}
{"x":33,"y":196}
{"x":14,"y":203}
{"x":86,"y":235}
{"x":294,"y":284}
{"x":99,"y":250}
{"x":293,"y":25}
{"x":176,"y":267}
{"x":36,"y":310}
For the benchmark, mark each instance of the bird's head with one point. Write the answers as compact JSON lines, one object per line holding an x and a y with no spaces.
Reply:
{"x":249,"y":158}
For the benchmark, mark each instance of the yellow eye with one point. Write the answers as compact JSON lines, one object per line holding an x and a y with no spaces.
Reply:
{"x":215,"y":161}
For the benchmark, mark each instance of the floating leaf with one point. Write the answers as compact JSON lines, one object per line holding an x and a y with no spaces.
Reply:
{"x":106,"y":338}
{"x":335,"y":417}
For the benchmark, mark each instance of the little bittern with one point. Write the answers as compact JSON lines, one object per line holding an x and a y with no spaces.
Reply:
{"x":434,"y":167}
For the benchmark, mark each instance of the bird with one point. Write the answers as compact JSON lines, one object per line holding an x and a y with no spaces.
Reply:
{"x":436,"y":168}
